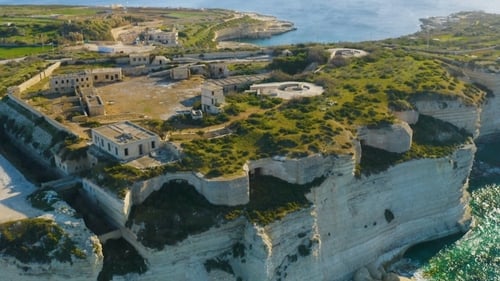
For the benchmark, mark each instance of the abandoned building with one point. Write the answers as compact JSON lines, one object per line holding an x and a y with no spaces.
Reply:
{"x":104,"y":75}
{"x":139,"y":59}
{"x":94,"y":106}
{"x":168,"y":38}
{"x":218,"y":70}
{"x":212,"y":98}
{"x":67,"y":83}
{"x":180,"y":73}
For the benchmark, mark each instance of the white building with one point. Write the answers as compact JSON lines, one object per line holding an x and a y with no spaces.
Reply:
{"x":212,"y":98}
{"x":125,"y":140}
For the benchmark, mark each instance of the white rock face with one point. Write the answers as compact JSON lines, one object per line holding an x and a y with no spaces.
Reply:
{"x":87,"y":268}
{"x":490,"y":123}
{"x":453,"y":111}
{"x":362,"y":220}
{"x":351,"y":223}
{"x":393,"y":138}
{"x":408,"y":116}
{"x":299,"y":171}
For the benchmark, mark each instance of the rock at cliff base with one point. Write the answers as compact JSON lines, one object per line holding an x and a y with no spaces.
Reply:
{"x":362,"y":275}
{"x":375,"y":273}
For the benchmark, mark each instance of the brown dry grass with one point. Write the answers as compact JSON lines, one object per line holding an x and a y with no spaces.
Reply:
{"x":152,"y":97}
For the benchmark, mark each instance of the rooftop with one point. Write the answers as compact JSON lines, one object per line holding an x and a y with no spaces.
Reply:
{"x":107,"y":69}
{"x":93,"y":100}
{"x":124,"y":132}
{"x":288,"y":90}
{"x":235,"y":80}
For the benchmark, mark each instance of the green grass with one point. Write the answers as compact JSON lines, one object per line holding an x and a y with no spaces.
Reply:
{"x":14,"y":73}
{"x":17,"y":52}
{"x":48,"y":10}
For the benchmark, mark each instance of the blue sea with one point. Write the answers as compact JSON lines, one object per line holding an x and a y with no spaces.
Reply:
{"x":475,"y":257}
{"x":321,"y":20}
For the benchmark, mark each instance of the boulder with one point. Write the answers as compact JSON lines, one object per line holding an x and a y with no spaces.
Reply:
{"x":362,"y":275}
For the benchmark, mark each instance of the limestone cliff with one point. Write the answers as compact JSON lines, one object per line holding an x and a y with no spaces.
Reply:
{"x":351,"y":223}
{"x":78,"y":255}
{"x":490,"y":123}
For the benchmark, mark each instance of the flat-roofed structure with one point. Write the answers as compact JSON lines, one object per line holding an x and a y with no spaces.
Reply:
{"x":288,"y":90}
{"x":180,"y":73}
{"x":212,"y":98}
{"x":139,"y":59}
{"x":125,"y":140}
{"x":236,"y":83}
{"x":93,"y":102}
{"x":68,"y":83}
{"x":167,"y":38}
{"x":103,"y":75}
{"x":218,"y":70}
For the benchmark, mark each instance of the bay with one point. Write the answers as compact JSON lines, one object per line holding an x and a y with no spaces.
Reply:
{"x":320,"y":20}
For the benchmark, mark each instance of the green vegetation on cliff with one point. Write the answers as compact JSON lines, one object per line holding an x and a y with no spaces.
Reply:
{"x":177,"y":210}
{"x":432,"y":138}
{"x":37,"y":240}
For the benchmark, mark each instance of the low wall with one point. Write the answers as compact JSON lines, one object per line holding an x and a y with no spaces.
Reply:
{"x":115,"y":208}
{"x":298,"y":171}
{"x":221,"y":191}
{"x":35,"y":79}
{"x":37,"y":113}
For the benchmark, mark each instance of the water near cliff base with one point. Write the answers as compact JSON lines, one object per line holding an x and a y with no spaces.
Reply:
{"x":476,"y":255}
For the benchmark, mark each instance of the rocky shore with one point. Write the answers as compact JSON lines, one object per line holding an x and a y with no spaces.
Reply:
{"x":269,"y":26}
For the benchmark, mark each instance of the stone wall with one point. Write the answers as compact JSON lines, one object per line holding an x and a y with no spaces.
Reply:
{"x":299,"y":171}
{"x":218,"y":191}
{"x":115,"y":208}
{"x":38,"y":114}
{"x":408,"y":116}
{"x":35,"y":79}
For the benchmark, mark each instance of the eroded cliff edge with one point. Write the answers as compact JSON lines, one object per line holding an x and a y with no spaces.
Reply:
{"x":352,"y":222}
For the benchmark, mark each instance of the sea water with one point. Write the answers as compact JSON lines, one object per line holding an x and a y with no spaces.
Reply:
{"x":474,"y":256}
{"x":320,"y":20}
